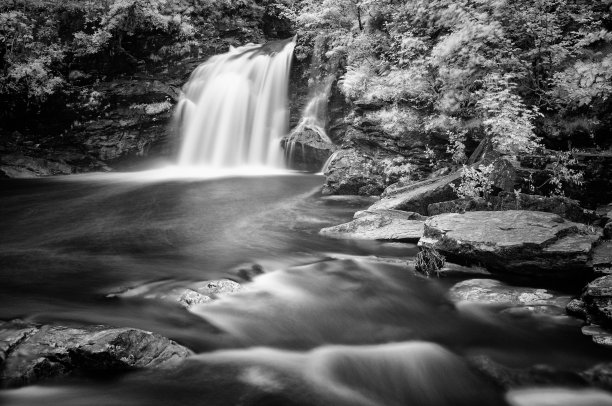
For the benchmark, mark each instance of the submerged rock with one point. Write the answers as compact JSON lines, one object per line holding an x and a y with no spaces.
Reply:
{"x":490,"y":291}
{"x":512,"y":378}
{"x":514,"y":241}
{"x":517,"y":301}
{"x":595,"y":308}
{"x":194,"y":294}
{"x":418,"y":196}
{"x":30,"y":353}
{"x":380,"y":225}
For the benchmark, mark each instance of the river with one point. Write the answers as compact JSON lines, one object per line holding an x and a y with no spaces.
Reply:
{"x":329,"y":322}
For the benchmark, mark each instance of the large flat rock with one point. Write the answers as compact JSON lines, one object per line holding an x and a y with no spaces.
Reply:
{"x":416,"y":197}
{"x":514,"y":241}
{"x":380,"y":225}
{"x":30,"y":353}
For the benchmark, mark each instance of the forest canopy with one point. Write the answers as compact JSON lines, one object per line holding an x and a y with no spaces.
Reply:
{"x":516,"y":71}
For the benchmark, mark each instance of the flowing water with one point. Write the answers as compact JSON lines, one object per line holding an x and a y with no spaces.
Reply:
{"x":329,"y":322}
{"x":233,"y":111}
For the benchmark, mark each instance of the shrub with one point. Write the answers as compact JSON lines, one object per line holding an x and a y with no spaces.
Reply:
{"x":475,"y":182}
{"x":429,"y":261}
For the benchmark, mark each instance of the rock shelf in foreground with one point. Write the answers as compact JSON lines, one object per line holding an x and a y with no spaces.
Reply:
{"x":514,"y":241}
{"x":30,"y":353}
{"x":380,"y":225}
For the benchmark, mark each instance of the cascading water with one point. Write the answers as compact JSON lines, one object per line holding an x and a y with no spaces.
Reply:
{"x":234,"y":109}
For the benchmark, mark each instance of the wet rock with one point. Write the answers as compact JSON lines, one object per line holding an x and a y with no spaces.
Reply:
{"x":558,"y":397}
{"x":563,"y":206}
{"x":351,"y":200}
{"x":600,"y":376}
{"x":512,"y":378}
{"x":595,"y":307}
{"x":34,"y":352}
{"x":577,"y":308}
{"x":306,"y":149}
{"x":602,"y":258}
{"x":598,"y":334}
{"x":418,"y":196}
{"x":351,"y":173}
{"x":248,"y":274}
{"x":513,"y":241}
{"x":522,"y":300}
{"x":194,"y":294}
{"x":21,"y":166}
{"x":380,"y":225}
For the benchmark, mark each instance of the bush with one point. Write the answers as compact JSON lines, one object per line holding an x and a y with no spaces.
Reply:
{"x":429,"y":261}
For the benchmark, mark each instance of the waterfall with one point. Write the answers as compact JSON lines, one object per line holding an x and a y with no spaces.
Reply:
{"x":234,"y":109}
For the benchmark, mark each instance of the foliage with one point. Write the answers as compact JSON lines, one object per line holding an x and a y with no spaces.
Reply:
{"x":397,"y":170}
{"x":429,"y":261}
{"x":475,"y":182}
{"x":508,"y":122}
{"x":563,"y":173}
{"x":496,"y":68}
{"x":456,"y":146}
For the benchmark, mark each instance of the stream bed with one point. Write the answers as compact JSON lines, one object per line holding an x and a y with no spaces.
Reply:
{"x":328,"y":322}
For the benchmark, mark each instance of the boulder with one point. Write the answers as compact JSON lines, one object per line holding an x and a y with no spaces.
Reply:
{"x":193,"y":294}
{"x":418,"y":196}
{"x":307,"y":149}
{"x":602,"y":258}
{"x":380,"y":225}
{"x":351,"y":173}
{"x":595,"y":303}
{"x":513,"y":241}
{"x":490,"y":291}
{"x":563,"y":206}
{"x":595,"y":307}
{"x":30,"y":352}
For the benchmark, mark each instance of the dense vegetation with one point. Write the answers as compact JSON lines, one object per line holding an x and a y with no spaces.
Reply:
{"x":514,"y":70}
{"x":53,"y":51}
{"x":523,"y":74}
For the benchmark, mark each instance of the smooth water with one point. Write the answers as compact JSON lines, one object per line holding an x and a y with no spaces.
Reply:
{"x":330,"y":322}
{"x":234,"y":109}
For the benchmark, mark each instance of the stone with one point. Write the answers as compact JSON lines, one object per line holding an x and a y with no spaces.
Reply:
{"x":379,"y":225}
{"x":194,"y":294}
{"x":21,"y":166}
{"x":602,"y":257}
{"x":31,"y":352}
{"x":349,"y":172}
{"x":608,"y":230}
{"x":563,"y":206}
{"x":494,"y":292}
{"x":595,"y":307}
{"x":598,"y":334}
{"x":600,"y":376}
{"x":418,"y":196}
{"x":514,"y":241}
{"x":511,"y":378}
{"x":306,"y":149}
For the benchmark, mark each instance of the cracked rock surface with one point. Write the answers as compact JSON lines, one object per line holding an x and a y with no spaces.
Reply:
{"x":30,"y":352}
{"x":514,"y":241}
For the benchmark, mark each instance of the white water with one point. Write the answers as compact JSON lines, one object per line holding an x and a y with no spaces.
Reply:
{"x":234,"y":109}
